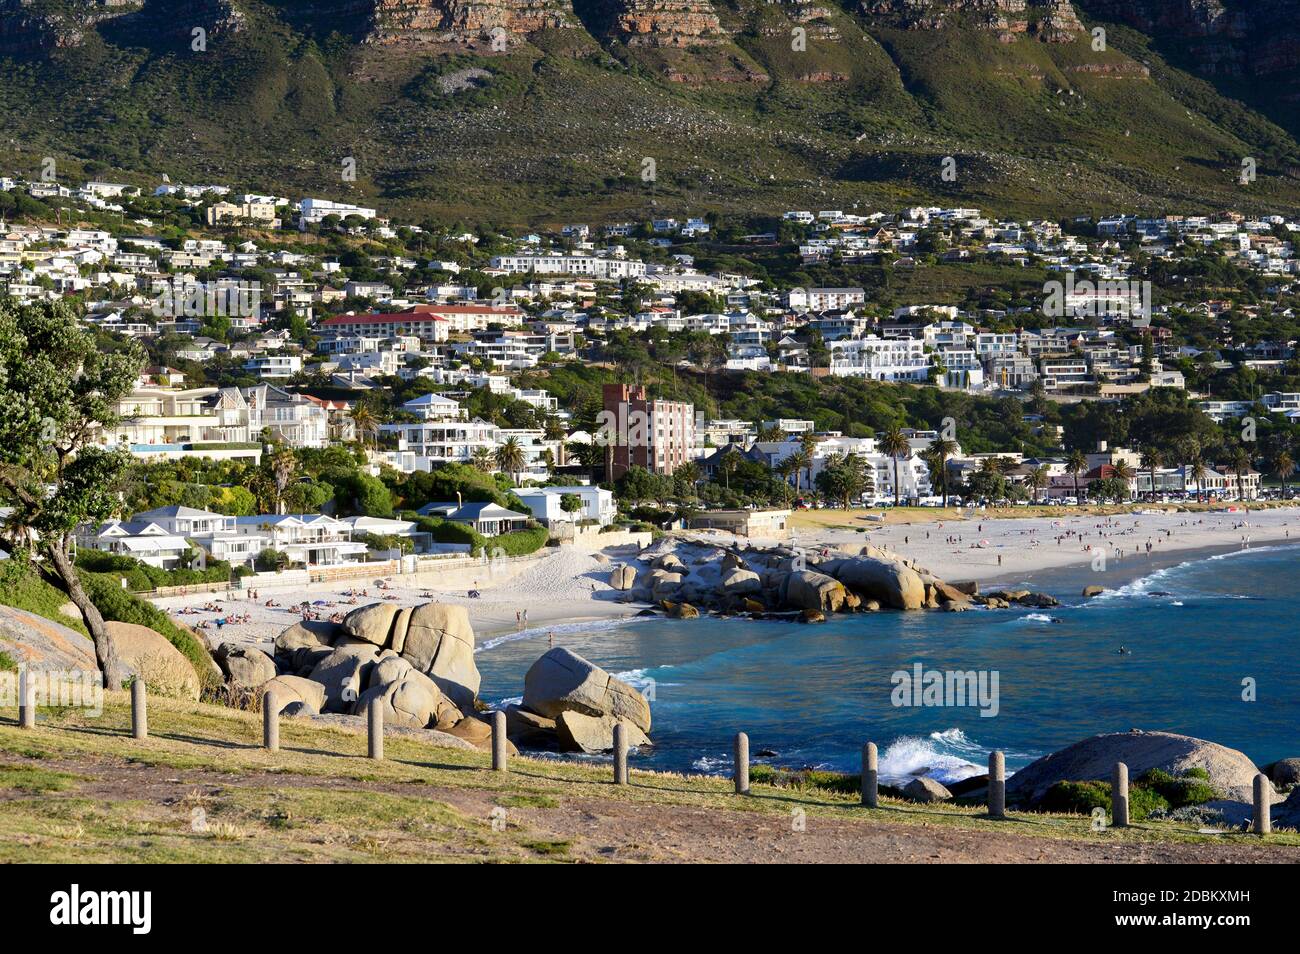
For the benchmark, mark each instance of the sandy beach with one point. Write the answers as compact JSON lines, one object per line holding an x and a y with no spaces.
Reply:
{"x":571,"y":586}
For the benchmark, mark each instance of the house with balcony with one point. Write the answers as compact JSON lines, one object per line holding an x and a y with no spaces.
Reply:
{"x":215,"y":534}
{"x":295,"y":419}
{"x":310,"y":539}
{"x":142,"y":540}
{"x":442,"y":433}
{"x":597,"y":504}
{"x":158,"y":423}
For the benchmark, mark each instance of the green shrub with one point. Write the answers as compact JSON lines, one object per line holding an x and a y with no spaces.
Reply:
{"x":1080,"y":798}
{"x":119,"y":605}
{"x":1179,"y":791}
{"x":141,"y":577}
{"x":7,"y":662}
{"x":519,"y":542}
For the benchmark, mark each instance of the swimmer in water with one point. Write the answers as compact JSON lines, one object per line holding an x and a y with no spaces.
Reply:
{"x":1124,"y":651}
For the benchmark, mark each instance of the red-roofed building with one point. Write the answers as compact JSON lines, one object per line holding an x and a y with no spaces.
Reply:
{"x":428,"y":322}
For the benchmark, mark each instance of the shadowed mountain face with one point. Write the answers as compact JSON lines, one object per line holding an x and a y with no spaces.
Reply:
{"x":542,"y":110}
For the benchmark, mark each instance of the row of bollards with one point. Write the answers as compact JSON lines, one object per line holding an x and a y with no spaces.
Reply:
{"x":997,"y":789}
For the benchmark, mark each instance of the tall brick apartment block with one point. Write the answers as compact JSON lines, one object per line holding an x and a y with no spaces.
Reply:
{"x":657,"y":435}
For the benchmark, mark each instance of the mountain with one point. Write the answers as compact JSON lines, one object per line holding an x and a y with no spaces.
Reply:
{"x":515,"y":111}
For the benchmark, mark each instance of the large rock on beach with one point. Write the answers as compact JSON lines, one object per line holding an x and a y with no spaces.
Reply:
{"x":306,"y":695}
{"x":345,"y":673}
{"x":562,"y":681}
{"x":309,"y":634}
{"x":440,"y":641}
{"x":414,"y":701}
{"x":243,"y":666}
{"x":891,"y":582}
{"x":810,"y":590}
{"x":592,"y":734}
{"x":1093,"y":759}
{"x":622,"y":577}
{"x":373,"y":623}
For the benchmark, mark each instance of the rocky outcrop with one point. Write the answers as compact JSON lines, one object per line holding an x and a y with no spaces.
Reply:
{"x":663,"y":23}
{"x":573,"y":705}
{"x":1052,"y":21}
{"x":417,"y":661}
{"x":39,"y":643}
{"x":467,"y":21}
{"x":244,"y":667}
{"x":1094,"y":759}
{"x":892,"y":582}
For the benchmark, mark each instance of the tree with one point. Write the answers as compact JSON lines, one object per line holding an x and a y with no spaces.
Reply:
{"x":787,"y":469}
{"x":1199,"y":472}
{"x":894,"y":444}
{"x":941,"y":448}
{"x":728,"y":464}
{"x":58,"y":390}
{"x":1240,"y":464}
{"x":808,"y":444}
{"x":1284,"y":467}
{"x":1123,"y":472}
{"x":482,"y":459}
{"x":570,"y":503}
{"x":510,"y":458}
{"x":1037,"y":480}
{"x":283,"y":466}
{"x":365,"y":422}
{"x":844,"y":478}
{"x":1151,"y":460}
{"x":1076,"y":464}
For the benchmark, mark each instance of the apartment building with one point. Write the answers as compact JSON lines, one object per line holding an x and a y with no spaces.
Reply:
{"x":643,"y":432}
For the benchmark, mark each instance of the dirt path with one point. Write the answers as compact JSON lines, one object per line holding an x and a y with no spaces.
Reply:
{"x":599,"y":829}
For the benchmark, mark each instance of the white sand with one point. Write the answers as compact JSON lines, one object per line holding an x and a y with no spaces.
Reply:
{"x":571,"y":585}
{"x":1029,"y":545}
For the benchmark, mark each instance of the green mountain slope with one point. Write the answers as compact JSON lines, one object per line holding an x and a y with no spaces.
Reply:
{"x":463,"y":112}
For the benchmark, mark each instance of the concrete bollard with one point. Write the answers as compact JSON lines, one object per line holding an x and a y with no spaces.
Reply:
{"x":375,"y":723}
{"x":742,"y":764}
{"x":1119,"y":796}
{"x":870,"y":776}
{"x":1263,"y":821}
{"x":499,"y":753}
{"x":620,"y":754}
{"x":139,"y":709}
{"x":270,"y":721}
{"x":997,"y":785}
{"x":26,"y":702}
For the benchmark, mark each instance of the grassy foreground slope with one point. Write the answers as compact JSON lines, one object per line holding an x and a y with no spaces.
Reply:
{"x":561,"y":127}
{"x":201,"y":789}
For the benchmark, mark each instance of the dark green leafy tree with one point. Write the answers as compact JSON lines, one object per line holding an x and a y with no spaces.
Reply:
{"x":58,"y":391}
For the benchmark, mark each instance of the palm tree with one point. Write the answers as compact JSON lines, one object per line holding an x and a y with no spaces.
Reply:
{"x":895,"y":445}
{"x":1124,"y":472}
{"x":283,"y":466}
{"x":801,"y":459}
{"x":1284,"y":467}
{"x":1150,"y":461}
{"x":941,"y":448}
{"x":1037,"y":480}
{"x":808,"y":443}
{"x":1199,"y":472}
{"x":365,"y":423}
{"x":1076,"y":464}
{"x":482,"y":459}
{"x":728,"y":464}
{"x":510,"y":458}
{"x":1240,"y":464}
{"x":787,"y":469}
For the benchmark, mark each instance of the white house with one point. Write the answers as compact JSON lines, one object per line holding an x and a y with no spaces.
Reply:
{"x":310,"y":538}
{"x":597,"y":504}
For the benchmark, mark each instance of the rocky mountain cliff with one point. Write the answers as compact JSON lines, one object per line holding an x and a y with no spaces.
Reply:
{"x":1053,"y":21}
{"x":466,"y":21}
